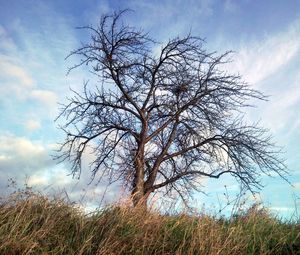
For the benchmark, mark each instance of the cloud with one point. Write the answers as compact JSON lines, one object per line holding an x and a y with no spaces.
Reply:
{"x":22,"y":158}
{"x":35,"y":180}
{"x":46,"y":97}
{"x":259,"y":60}
{"x":279,"y":209}
{"x":32,"y":125}
{"x":18,"y":84}
{"x":33,"y":69}
{"x":12,"y":71}
{"x":271,"y":65}
{"x":297,"y":185}
{"x":281,"y":113}
{"x":25,"y":160}
{"x":21,"y":155}
{"x":55,"y":176}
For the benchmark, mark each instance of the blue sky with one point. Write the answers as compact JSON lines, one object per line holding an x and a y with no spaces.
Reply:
{"x":36,"y":36}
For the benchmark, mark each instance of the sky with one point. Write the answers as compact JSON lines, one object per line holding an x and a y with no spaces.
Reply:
{"x":36,"y":36}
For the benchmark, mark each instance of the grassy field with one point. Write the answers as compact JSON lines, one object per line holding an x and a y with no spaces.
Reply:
{"x":33,"y":224}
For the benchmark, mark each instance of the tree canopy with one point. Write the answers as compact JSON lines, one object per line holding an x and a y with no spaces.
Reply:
{"x":162,"y":116}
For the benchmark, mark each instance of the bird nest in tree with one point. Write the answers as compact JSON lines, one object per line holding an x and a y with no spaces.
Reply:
{"x":179,"y":89}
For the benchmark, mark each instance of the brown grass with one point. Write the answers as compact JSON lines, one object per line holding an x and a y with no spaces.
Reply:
{"x":33,"y":224}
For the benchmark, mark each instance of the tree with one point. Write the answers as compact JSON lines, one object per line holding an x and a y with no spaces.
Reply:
{"x":162,"y":120}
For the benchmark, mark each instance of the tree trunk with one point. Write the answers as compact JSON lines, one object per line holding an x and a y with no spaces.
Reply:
{"x":139,"y":200}
{"x":138,"y":191}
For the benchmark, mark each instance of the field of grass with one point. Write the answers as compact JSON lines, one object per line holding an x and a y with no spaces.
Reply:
{"x":33,"y":224}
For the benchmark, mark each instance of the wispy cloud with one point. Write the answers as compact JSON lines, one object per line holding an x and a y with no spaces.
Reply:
{"x":45,"y":97}
{"x":18,"y":83}
{"x":270,"y":65}
{"x":281,"y":113}
{"x":12,"y":71}
{"x":32,"y":69}
{"x":259,"y":60}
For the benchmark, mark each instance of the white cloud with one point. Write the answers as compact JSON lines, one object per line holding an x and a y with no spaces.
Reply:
{"x":282,"y":110}
{"x":297,"y":185}
{"x":21,"y":154}
{"x":32,"y":125}
{"x":36,"y":180}
{"x":53,"y":146}
{"x":271,"y":66}
{"x":46,"y":97}
{"x":22,"y":158}
{"x":56,"y":176}
{"x":28,"y":72}
{"x":4,"y":157}
{"x":13,"y":71}
{"x":259,"y":60}
{"x":18,"y":84}
{"x":280,"y":209}
{"x":20,"y":146}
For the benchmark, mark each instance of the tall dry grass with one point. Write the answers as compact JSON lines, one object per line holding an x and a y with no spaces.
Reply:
{"x":34,"y":224}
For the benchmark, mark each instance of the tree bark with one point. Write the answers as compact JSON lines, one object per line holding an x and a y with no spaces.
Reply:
{"x":138,"y":192}
{"x":138,"y":189}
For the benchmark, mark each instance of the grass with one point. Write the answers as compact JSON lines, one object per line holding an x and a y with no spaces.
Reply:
{"x":33,"y":224}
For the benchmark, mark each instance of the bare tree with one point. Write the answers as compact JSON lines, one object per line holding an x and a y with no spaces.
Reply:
{"x":161,"y":120}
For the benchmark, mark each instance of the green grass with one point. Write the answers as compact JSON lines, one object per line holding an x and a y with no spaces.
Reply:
{"x":33,"y":224}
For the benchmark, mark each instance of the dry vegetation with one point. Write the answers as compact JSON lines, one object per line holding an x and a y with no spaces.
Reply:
{"x":33,"y":224}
